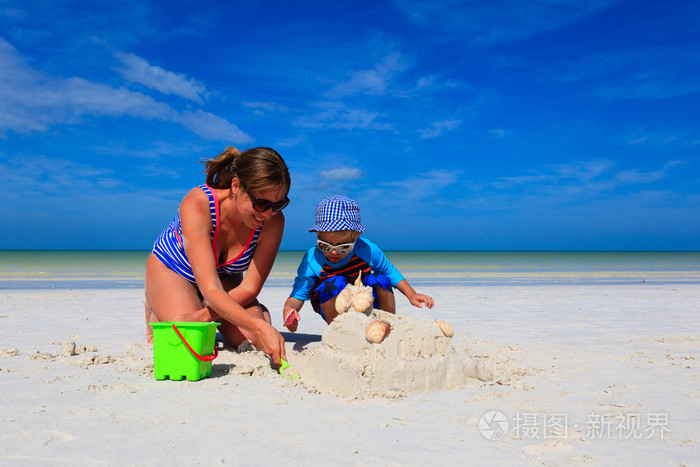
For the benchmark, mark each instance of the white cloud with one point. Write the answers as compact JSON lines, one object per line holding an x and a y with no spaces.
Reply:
{"x":660,"y":138}
{"x":99,"y":99}
{"x":374,"y":81}
{"x":589,"y":176}
{"x":582,"y":179}
{"x":427,"y":186}
{"x":583,"y":171}
{"x":291,"y":142}
{"x":639,"y":140}
{"x":643,"y":73}
{"x":140,"y":71}
{"x":342,"y":174}
{"x":425,"y":82}
{"x":53,"y":176}
{"x":497,"y":21}
{"x":438,"y":128}
{"x":636,"y":176}
{"x":208,"y":125}
{"x":499,"y":133}
{"x":339,"y":116}
{"x":34,"y":101}
{"x":263,"y":108}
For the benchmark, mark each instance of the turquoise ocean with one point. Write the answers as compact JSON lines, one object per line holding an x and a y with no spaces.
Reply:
{"x":125,"y":269}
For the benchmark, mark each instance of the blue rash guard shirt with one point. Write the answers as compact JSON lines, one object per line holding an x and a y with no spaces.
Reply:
{"x":315,"y":269}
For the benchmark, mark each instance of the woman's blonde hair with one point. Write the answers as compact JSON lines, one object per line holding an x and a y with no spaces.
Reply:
{"x":258,"y":169}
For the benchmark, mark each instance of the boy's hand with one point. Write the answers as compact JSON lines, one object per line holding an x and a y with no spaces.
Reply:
{"x":291,"y":322}
{"x":418,"y":300}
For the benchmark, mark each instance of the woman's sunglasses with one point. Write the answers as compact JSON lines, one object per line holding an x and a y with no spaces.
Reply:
{"x":262,"y":205}
{"x":342,"y":249}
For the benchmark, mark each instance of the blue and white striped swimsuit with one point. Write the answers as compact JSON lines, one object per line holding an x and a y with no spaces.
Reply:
{"x":171,"y":252}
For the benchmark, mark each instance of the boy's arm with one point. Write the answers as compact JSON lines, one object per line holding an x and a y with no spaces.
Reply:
{"x":290,"y":306}
{"x":378,"y":261}
{"x":416,"y":299}
{"x":306,"y":274}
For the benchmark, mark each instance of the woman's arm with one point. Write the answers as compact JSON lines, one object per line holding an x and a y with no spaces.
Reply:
{"x":264,"y":257}
{"x":196,"y":228}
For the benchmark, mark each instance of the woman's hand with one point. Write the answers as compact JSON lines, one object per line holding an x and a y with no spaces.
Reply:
{"x":270,"y":341}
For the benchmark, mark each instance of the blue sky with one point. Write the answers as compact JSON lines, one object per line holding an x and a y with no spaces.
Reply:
{"x":541,"y":124}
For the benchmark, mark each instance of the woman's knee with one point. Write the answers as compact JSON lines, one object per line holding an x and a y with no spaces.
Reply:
{"x":258,"y":310}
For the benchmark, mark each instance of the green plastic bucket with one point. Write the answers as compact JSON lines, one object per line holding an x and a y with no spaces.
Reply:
{"x":183,"y":350}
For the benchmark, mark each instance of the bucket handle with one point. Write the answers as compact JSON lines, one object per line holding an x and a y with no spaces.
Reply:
{"x":204,"y":358}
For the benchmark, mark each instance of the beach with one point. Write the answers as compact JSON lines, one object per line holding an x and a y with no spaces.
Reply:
{"x":581,"y":373}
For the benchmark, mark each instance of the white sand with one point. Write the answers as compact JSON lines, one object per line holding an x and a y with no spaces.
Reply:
{"x":77,"y":386}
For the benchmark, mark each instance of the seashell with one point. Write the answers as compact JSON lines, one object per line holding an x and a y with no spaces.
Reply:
{"x":343,"y":300}
{"x":377,"y":330}
{"x":362,"y":300}
{"x":445,"y":327}
{"x":358,"y":281}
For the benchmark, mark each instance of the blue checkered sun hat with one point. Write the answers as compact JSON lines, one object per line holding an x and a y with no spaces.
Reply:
{"x":337,"y":213}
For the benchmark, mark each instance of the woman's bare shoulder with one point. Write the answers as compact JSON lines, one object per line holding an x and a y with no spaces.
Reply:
{"x":276,"y":222}
{"x":273,"y":229}
{"x":196,"y":197}
{"x":195,"y":205}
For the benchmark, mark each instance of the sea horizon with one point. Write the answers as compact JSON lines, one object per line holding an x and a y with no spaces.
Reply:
{"x":37,"y":269}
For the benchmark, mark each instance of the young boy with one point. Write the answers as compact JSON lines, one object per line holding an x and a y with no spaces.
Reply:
{"x":339,"y":255}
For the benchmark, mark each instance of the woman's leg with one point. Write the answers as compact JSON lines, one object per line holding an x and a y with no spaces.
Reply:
{"x":235,"y":335}
{"x":232,"y":333}
{"x":170,"y":297}
{"x":150,"y":318}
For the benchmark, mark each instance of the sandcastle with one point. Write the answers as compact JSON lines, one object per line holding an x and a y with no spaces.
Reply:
{"x":375,"y":353}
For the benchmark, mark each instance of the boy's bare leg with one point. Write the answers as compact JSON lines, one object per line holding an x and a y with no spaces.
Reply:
{"x":328,"y":310}
{"x":386,"y":300}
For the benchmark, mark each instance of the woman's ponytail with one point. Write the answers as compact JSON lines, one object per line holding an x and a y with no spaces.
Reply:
{"x":222,"y":169}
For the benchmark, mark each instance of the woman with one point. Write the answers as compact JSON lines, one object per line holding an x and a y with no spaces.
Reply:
{"x":229,"y":226}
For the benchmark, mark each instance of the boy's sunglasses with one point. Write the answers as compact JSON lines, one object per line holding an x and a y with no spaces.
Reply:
{"x":342,"y":249}
{"x":262,"y":205}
